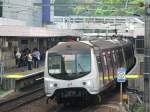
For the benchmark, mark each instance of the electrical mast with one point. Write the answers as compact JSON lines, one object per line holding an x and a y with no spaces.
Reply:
{"x":147,"y":58}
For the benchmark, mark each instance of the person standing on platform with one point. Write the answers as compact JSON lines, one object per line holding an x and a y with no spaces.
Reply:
{"x":36,"y":57}
{"x":29,"y":57}
{"x":18,"y":56}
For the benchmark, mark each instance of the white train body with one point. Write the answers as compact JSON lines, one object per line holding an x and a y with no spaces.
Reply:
{"x":75,"y":69}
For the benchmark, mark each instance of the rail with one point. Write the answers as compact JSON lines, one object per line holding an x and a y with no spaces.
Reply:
{"x":21,"y":100}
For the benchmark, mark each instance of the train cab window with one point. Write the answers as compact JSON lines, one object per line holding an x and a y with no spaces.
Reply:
{"x":54,"y":65}
{"x":69,"y":66}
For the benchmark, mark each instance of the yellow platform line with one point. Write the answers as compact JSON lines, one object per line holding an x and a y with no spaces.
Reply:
{"x":13,"y":76}
{"x":18,"y":75}
{"x":128,"y":76}
{"x":133,"y":76}
{"x":22,"y":74}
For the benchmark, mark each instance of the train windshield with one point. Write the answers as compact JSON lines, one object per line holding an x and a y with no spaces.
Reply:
{"x":69,"y":66}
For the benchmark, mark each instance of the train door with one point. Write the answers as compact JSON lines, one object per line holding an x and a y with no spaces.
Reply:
{"x":124,"y":58}
{"x":117,"y":58}
{"x":121,"y":59}
{"x":105,"y":68}
{"x":99,"y":64}
{"x":129,"y":56}
{"x":114,"y":62}
{"x":109,"y":66}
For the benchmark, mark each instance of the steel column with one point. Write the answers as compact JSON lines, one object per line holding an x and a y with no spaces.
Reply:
{"x":147,"y":58}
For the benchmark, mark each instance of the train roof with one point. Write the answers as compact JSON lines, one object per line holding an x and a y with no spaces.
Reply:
{"x":84,"y":47}
{"x":69,"y":47}
{"x":111,"y":43}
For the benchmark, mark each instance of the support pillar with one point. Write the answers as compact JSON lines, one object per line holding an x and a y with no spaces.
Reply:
{"x":147,"y":58}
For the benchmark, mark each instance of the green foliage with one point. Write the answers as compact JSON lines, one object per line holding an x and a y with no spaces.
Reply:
{"x":108,"y":8}
{"x":112,"y":1}
{"x":135,"y":1}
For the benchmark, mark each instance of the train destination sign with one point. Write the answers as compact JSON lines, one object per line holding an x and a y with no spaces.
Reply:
{"x":121,"y":72}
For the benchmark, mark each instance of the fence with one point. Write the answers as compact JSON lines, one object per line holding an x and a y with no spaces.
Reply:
{"x":135,"y":101}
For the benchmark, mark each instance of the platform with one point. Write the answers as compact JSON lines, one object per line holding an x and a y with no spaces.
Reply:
{"x":21,"y":77}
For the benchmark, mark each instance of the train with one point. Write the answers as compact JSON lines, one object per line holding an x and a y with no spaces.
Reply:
{"x":84,"y":69}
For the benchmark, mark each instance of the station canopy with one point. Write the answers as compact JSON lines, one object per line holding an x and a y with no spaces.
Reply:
{"x":24,"y":31}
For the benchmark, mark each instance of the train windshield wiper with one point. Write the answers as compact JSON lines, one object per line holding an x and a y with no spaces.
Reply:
{"x":81,"y":67}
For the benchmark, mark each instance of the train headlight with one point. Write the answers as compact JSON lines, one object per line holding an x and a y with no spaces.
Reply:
{"x":51,"y":85}
{"x":87,"y":83}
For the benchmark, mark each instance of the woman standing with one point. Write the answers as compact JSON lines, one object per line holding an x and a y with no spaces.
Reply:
{"x":29,"y":56}
{"x":18,"y":57}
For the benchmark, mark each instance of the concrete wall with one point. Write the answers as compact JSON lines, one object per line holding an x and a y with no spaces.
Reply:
{"x":9,"y":59}
{"x":11,"y":22}
{"x":24,"y":10}
{"x":7,"y":51}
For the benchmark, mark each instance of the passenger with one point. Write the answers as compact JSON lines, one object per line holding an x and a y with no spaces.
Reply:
{"x":18,"y":57}
{"x":23,"y":58}
{"x":29,"y":60}
{"x":15,"y":51}
{"x":42,"y":52}
{"x":36,"y":57}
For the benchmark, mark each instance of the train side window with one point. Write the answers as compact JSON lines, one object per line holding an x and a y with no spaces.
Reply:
{"x":114,"y":62}
{"x":114,"y":58}
{"x":104,"y":58}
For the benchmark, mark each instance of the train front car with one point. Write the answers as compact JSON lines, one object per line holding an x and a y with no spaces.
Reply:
{"x":85,"y":69}
{"x":71,"y":72}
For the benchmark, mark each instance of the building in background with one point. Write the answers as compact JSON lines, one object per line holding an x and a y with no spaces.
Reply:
{"x":24,"y":10}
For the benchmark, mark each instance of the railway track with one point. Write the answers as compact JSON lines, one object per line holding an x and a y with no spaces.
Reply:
{"x":110,"y":103}
{"x":21,"y":100}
